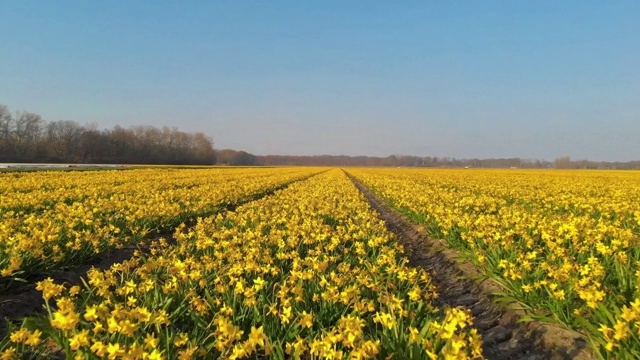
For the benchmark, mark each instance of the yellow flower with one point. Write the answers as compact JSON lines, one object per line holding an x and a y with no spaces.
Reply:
{"x":99,"y":348}
{"x":127,"y":328}
{"x":621,"y":331}
{"x":49,"y":289}
{"x":90,"y":313}
{"x":414,"y":335}
{"x":19,"y":336}
{"x":187,"y":354}
{"x":181,"y":339}
{"x":385,"y":319}
{"x":257,"y":336}
{"x":155,"y":355}
{"x":286,"y":315}
{"x":150,"y":341}
{"x":8,"y":354}
{"x":97,"y":327}
{"x":143,"y":314}
{"x":306,"y":321}
{"x":258,"y":283}
{"x":135,"y":352}
{"x":34,"y":338}
{"x":79,"y":340}
{"x":65,"y":321}
{"x":114,"y":351}
{"x":112,"y":325}
{"x":414,"y":294}
{"x":161,"y":318}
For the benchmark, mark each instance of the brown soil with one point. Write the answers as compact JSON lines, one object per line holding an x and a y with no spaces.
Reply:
{"x":503,"y":337}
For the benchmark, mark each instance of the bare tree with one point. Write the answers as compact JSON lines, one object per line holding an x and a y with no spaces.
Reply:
{"x":6,"y":128}
{"x":203,"y":152}
{"x":63,"y":137}
{"x":562,"y":162}
{"x":27,"y":131}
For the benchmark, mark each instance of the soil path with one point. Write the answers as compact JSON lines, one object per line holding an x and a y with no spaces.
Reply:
{"x":503,"y":337}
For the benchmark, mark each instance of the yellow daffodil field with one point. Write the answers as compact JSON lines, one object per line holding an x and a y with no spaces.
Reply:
{"x":564,"y":244}
{"x":254,"y":263}
{"x":49,"y":220}
{"x":308,"y":271}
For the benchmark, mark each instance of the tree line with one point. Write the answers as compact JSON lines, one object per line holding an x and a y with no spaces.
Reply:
{"x":27,"y":137}
{"x":234,"y":157}
{"x":397,"y":161}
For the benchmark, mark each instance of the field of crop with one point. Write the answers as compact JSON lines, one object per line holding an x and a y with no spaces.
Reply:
{"x":308,"y":271}
{"x":565,"y":244}
{"x":50,"y":220}
{"x":294,"y":262}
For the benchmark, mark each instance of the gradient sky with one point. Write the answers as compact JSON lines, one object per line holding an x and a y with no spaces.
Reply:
{"x":530,"y":79}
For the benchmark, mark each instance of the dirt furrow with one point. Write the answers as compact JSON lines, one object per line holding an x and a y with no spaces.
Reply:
{"x":503,"y":336}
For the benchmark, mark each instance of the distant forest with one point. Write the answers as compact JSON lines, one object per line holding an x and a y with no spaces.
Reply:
{"x":234,"y":157}
{"x":26,"y":137}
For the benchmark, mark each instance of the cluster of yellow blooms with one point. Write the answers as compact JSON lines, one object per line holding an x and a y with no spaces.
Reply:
{"x":52,"y":219}
{"x":308,"y":272}
{"x":565,"y":243}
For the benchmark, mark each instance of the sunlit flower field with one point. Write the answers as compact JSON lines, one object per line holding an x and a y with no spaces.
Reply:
{"x":308,"y":271}
{"x":565,"y":244}
{"x":49,"y":220}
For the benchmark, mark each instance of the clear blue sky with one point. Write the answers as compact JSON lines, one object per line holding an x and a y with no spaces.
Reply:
{"x":531,"y":79}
